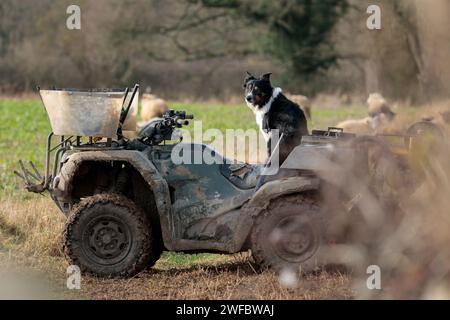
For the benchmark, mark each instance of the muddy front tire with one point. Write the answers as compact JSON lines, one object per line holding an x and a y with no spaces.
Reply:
{"x":108,"y":235}
{"x":288,"y":234}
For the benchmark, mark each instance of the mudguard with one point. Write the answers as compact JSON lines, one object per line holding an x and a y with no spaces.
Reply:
{"x":62,"y":188}
{"x":262,"y":198}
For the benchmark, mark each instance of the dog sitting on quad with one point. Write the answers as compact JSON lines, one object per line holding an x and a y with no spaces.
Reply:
{"x":274,"y":111}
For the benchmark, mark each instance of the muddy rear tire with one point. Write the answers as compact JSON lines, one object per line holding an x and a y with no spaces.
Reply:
{"x":109,"y":236}
{"x":289,"y":234}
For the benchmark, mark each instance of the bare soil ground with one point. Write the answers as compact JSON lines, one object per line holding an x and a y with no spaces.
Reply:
{"x":29,"y":245}
{"x":225,"y":280}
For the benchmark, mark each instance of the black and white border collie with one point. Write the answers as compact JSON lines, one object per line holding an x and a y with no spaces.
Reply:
{"x":274,"y":111}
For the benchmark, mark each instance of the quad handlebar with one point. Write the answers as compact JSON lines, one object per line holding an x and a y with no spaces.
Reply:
{"x":161,"y":130}
{"x":176,"y":119}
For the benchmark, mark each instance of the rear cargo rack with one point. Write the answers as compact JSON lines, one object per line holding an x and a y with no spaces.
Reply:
{"x":95,"y":116}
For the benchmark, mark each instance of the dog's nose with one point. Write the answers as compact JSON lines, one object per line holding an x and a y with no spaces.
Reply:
{"x":249,"y":98}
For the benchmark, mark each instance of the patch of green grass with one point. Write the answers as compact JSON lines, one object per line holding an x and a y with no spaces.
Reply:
{"x":23,"y":130}
{"x":240,"y":116}
{"x":218,"y":116}
{"x":175,"y":259}
{"x":324,"y":118}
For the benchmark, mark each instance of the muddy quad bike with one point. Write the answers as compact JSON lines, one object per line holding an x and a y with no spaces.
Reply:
{"x":126,"y":201}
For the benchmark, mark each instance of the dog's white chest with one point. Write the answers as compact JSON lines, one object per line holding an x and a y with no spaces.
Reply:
{"x":259,"y":121}
{"x":261,"y":112}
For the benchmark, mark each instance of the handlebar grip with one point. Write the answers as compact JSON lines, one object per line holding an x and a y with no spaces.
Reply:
{"x":189,"y":116}
{"x":181,"y":122}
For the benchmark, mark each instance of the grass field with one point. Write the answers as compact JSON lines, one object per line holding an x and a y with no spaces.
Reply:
{"x":30,"y":224}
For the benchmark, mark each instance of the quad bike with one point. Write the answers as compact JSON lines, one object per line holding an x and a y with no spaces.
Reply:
{"x":126,"y":201}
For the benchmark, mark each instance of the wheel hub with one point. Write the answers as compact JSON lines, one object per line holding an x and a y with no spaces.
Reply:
{"x":294,"y":239}
{"x":107,"y":240}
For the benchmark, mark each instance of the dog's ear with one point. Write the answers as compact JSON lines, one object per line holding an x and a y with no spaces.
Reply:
{"x":266,"y":76}
{"x":248,"y":78}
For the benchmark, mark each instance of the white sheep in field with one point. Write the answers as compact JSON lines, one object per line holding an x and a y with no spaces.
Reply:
{"x":378,"y":105}
{"x":358,"y":126}
{"x":380,"y":114}
{"x":303,"y":102}
{"x":152,"y":107}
